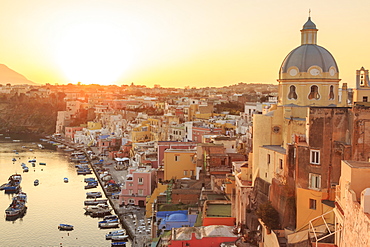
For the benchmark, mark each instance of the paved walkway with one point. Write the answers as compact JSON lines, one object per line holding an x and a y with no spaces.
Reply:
{"x":132,"y":217}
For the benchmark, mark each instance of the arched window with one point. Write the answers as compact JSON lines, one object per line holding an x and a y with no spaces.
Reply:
{"x":331,"y":93}
{"x":292,"y":94}
{"x":314,"y":94}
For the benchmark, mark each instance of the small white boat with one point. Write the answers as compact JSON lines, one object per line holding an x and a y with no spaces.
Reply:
{"x":108,"y":224}
{"x":65,"y":180}
{"x":97,"y":208}
{"x":119,"y":237}
{"x":36,"y":182}
{"x":110,"y":217}
{"x":65,"y":227}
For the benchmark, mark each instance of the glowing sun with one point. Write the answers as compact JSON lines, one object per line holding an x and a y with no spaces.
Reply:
{"x":93,"y":53}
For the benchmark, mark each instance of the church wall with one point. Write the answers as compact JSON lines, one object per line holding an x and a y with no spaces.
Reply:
{"x":361,"y":133}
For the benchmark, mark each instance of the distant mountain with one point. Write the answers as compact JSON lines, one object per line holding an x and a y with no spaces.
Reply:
{"x":8,"y":75}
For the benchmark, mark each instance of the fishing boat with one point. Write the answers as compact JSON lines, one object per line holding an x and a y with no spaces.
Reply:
{"x":25,"y":169}
{"x":32,"y":160}
{"x":108,"y":224}
{"x":95,"y":202}
{"x":122,"y":237}
{"x":17,"y":206}
{"x":97,"y":208}
{"x":87,"y":180}
{"x":36,"y":182}
{"x":13,"y":184}
{"x":121,"y":244}
{"x":84,"y":171}
{"x":91,"y":185}
{"x":42,"y":164}
{"x":65,"y":227}
{"x":65,"y":180}
{"x":100,"y":213}
{"x":14,"y":159}
{"x":95,"y":194}
{"x":109,"y":235}
{"x":110,"y":217}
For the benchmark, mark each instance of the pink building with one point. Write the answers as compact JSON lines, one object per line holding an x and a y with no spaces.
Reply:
{"x":70,"y":132}
{"x":139,"y":184}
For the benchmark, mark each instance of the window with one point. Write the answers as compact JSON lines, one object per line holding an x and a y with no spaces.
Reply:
{"x":281,"y":163}
{"x":140,"y":192}
{"x":268,"y":159}
{"x":292,"y":94}
{"x":312,"y":204}
{"x":314,"y":181}
{"x":191,"y":172}
{"x":130,"y":184}
{"x":177,"y":157}
{"x":185,"y":172}
{"x":364,"y":99}
{"x":314,"y":94}
{"x":331,"y":93}
{"x":140,"y":180}
{"x":315,"y":157}
{"x":130,"y":192}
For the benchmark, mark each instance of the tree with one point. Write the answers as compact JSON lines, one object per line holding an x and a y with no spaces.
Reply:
{"x":268,"y":214}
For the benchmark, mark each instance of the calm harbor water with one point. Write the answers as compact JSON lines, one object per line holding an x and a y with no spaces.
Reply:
{"x":51,"y":203}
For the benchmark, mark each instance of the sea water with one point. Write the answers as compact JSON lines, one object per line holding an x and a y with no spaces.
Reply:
{"x":50,"y":203}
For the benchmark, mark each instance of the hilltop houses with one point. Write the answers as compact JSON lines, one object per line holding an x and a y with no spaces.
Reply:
{"x":234,"y":166}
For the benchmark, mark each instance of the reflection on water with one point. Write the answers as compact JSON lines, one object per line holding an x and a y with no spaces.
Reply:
{"x":49,"y":204}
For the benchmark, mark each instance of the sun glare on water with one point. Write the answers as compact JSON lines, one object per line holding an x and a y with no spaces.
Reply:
{"x":93,"y":53}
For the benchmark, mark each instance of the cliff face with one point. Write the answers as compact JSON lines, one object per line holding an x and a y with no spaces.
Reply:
{"x":28,"y":115}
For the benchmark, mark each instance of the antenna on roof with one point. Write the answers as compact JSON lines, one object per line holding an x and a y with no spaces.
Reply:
{"x":309,"y":12}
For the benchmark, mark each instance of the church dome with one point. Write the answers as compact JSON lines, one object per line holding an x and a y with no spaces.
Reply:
{"x":305,"y":56}
{"x":309,"y":24}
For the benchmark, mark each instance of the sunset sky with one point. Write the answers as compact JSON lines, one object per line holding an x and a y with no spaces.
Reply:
{"x":174,"y":43}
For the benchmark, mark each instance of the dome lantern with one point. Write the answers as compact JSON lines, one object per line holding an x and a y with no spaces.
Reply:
{"x":309,"y":33}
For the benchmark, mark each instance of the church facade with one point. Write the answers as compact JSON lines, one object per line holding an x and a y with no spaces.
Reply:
{"x":298,"y":146}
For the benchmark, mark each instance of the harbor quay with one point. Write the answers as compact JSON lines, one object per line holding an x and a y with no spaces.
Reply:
{"x":132,"y":217}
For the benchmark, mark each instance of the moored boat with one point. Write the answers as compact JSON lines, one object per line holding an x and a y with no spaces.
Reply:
{"x":97,"y":208}
{"x":17,"y":206}
{"x":109,"y":235}
{"x":95,"y":202}
{"x":65,"y":180}
{"x":84,"y":171}
{"x":36,"y":182}
{"x":95,"y":194}
{"x":108,"y":224}
{"x":100,"y":213}
{"x":121,"y":244}
{"x":91,"y":185}
{"x":13,"y":184}
{"x":42,"y":164}
{"x":90,"y":180}
{"x":122,"y":237}
{"x":65,"y":227}
{"x":110,"y":217}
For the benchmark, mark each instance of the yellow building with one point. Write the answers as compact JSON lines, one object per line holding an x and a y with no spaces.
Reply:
{"x":141,"y":133}
{"x":93,"y":125}
{"x":179,"y":163}
{"x":290,"y":159}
